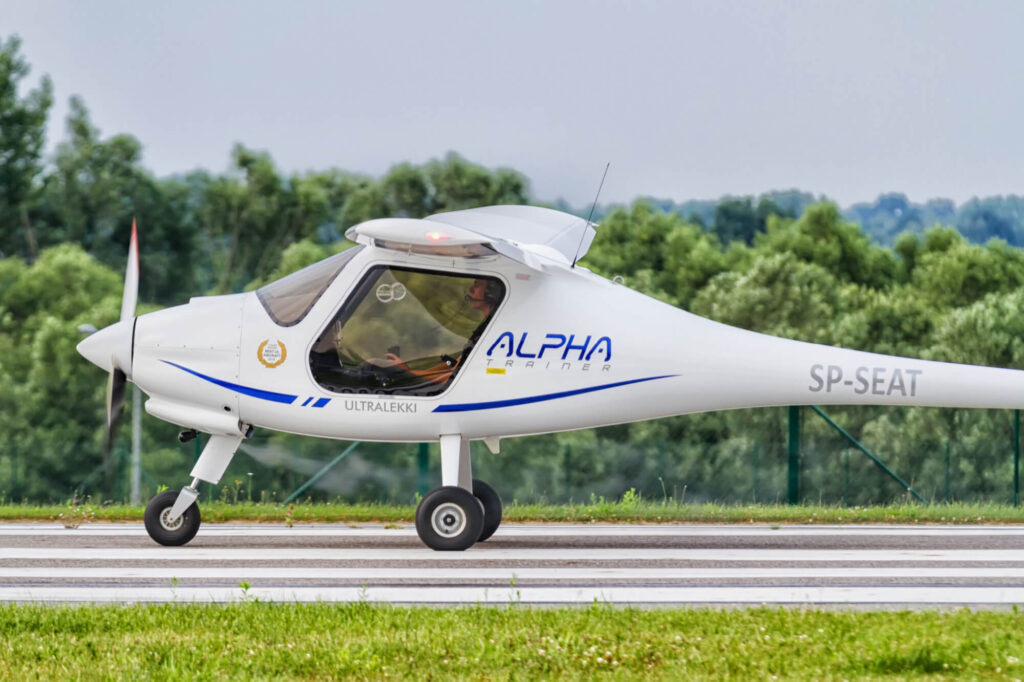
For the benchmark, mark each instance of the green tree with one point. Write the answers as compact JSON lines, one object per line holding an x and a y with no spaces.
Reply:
{"x":97,"y":188}
{"x":406,"y":192}
{"x":951,"y":273}
{"x":656,"y":252}
{"x":737,"y":219}
{"x":448,"y":184}
{"x":56,"y":413}
{"x":22,"y":135}
{"x":893,"y":321}
{"x":989,"y":331}
{"x":779,"y":295}
{"x":367,"y":201}
{"x":457,"y":184}
{"x":822,"y":237}
{"x":993,"y":218}
{"x":253,"y":213}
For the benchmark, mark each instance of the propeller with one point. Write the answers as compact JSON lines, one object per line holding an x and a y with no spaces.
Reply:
{"x":111,"y":349}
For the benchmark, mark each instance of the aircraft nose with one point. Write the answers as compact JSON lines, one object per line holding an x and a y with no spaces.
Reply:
{"x":110,"y":347}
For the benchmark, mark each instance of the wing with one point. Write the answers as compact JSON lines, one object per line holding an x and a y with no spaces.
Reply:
{"x":536,"y":237}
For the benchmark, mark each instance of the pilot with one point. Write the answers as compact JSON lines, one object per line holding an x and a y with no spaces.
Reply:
{"x":483,"y":295}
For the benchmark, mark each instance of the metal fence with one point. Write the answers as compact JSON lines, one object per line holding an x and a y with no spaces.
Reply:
{"x":773,"y":456}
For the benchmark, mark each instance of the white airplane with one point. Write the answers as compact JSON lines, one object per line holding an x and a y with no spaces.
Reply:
{"x":469,"y":325}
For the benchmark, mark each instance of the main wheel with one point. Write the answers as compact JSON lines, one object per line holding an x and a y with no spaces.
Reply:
{"x":166,"y":532}
{"x":488,"y":497}
{"x":449,"y":519}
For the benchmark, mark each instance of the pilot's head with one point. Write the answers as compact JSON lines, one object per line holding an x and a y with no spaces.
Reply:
{"x":483,"y":295}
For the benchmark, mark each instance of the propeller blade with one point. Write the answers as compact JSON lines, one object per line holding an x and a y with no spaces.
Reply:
{"x":115,"y":406}
{"x":131,"y":277}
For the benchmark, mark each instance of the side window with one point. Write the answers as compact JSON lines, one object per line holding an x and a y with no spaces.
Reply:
{"x":404,"y":332}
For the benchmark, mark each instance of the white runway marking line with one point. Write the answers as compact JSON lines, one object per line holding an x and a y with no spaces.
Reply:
{"x":568,"y":584}
{"x":534,"y":595}
{"x":376,"y":573}
{"x":484,"y":553}
{"x":529,"y":530}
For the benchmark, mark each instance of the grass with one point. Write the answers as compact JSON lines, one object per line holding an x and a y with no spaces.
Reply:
{"x":363,"y":641}
{"x":629,"y":509}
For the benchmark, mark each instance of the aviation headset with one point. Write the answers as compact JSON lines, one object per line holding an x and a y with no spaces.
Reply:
{"x":493,"y":292}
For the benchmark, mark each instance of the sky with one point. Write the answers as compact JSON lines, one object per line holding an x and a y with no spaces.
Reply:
{"x":686,"y":100}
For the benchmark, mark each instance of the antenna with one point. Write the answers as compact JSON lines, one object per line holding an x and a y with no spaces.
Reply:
{"x":591,"y":214}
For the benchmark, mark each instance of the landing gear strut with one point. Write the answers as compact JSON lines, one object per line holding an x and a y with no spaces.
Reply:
{"x":464,"y":510}
{"x":172,"y":517}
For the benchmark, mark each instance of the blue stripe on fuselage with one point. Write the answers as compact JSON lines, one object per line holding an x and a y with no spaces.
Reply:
{"x":244,"y":390}
{"x":466,"y":407}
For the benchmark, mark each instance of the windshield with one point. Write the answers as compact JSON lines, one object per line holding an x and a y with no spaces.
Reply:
{"x":290,"y":298}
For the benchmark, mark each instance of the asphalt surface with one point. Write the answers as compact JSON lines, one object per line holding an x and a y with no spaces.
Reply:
{"x":650,"y":566}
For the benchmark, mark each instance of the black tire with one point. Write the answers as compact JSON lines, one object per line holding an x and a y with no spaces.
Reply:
{"x":449,"y":519}
{"x":488,"y":497}
{"x":171,"y":535}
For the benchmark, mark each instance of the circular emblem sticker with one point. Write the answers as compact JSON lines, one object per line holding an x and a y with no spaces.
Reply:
{"x":271,"y":354}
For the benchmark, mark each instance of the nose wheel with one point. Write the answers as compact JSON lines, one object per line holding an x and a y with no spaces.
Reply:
{"x":163,"y":527}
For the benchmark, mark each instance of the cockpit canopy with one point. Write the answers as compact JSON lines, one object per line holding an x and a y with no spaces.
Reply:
{"x":408,"y":331}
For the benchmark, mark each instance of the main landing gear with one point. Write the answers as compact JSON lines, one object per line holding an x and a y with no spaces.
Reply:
{"x":172,"y":517}
{"x":464,"y":510}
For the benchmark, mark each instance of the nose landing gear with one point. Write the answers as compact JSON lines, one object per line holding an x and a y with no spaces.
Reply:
{"x":172,"y":517}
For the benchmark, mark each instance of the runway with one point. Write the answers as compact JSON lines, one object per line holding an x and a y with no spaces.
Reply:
{"x":649,"y":565}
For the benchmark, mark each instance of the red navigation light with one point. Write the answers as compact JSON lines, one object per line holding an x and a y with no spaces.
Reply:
{"x":436,"y":236}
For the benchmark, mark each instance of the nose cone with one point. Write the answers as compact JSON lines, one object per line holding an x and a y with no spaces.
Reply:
{"x":110,"y":347}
